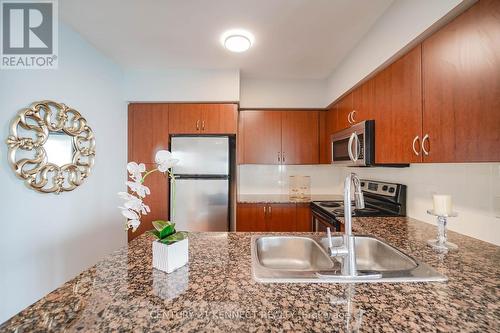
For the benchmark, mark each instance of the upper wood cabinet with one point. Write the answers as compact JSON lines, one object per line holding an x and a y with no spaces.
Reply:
{"x":344,"y":110}
{"x":398,"y":110}
{"x":363,"y":102}
{"x":147,"y":131}
{"x":203,"y":118}
{"x":300,"y":137}
{"x":461,"y":73}
{"x":260,"y":137}
{"x":279,"y":137}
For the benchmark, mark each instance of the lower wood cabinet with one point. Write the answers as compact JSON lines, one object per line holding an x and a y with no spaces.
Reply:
{"x":275,"y":217}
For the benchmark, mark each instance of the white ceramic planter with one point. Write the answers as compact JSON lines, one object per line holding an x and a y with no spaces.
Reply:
{"x":168,"y":258}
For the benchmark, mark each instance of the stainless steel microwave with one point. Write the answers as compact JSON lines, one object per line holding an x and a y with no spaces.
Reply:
{"x":354,"y":146}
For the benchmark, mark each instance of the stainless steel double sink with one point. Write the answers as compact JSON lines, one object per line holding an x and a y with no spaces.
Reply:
{"x":305,"y":259}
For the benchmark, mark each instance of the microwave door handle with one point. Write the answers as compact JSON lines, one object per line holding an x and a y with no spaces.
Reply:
{"x":358,"y":148}
{"x":349,"y":147}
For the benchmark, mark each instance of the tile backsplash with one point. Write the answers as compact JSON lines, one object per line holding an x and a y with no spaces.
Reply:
{"x":475,"y":188}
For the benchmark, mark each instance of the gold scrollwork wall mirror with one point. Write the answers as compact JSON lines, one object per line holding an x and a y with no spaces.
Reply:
{"x":51,"y":147}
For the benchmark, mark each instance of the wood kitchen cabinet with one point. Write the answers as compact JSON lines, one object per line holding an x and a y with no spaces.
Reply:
{"x":147,"y":131}
{"x":303,"y":217}
{"x":279,"y":137}
{"x":363,"y":102}
{"x":300,"y":137}
{"x":328,"y":121}
{"x":344,"y":109}
{"x":461,"y":82}
{"x":203,"y":118}
{"x":260,"y":137}
{"x":268,"y":217}
{"x":251,"y":217}
{"x":398,"y":110}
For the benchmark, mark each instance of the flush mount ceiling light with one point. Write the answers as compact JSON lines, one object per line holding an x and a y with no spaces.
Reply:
{"x":237,"y":40}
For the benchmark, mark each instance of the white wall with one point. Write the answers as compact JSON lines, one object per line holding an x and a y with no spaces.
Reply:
{"x":404,"y":21}
{"x":262,"y":93}
{"x":182,"y":85}
{"x":475,"y":189}
{"x":46,"y":239}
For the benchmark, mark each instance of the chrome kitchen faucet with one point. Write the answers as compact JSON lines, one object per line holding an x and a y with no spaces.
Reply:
{"x":348,"y":248}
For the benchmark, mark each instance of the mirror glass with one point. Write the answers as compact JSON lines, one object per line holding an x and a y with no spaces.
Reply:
{"x":59,"y":149}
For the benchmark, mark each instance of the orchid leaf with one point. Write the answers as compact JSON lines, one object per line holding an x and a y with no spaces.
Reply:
{"x":155,"y":233}
{"x":167,"y":230}
{"x":178,"y":236}
{"x":159,"y":224}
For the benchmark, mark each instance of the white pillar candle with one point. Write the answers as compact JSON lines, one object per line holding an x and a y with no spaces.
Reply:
{"x":442,"y":204}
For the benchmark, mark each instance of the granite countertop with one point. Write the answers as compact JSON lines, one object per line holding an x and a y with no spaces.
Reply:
{"x":285,"y":198}
{"x":216,"y":292}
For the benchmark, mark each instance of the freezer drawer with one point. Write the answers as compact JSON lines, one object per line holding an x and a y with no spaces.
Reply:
{"x":200,"y":205}
{"x":201,"y":155}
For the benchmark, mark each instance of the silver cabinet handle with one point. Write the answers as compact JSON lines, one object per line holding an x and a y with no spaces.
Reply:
{"x":265,"y":210}
{"x":197,"y":125}
{"x":413,"y":145}
{"x":203,"y":125}
{"x":349,"y":118}
{"x":426,"y":138}
{"x":279,"y":156}
{"x":353,"y":113}
{"x":270,"y":210}
{"x":283,"y":156}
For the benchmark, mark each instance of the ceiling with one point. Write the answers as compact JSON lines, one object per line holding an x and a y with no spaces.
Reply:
{"x":299,"y":39}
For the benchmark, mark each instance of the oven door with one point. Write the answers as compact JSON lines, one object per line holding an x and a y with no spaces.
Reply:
{"x":355,"y":145}
{"x":321,"y":222}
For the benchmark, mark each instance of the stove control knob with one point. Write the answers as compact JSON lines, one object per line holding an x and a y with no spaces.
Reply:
{"x":384,"y":188}
{"x":391,"y":190}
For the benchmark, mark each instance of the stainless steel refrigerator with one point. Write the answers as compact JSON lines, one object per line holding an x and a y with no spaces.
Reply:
{"x":202,"y":183}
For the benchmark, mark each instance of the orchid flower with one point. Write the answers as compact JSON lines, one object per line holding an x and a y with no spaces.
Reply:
{"x":133,"y":207}
{"x":137,"y":187}
{"x":164,"y":160}
{"x":134,"y":203}
{"x":135,"y":170}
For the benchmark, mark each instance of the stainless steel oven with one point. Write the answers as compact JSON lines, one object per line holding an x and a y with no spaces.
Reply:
{"x":321,"y":221}
{"x":354,"y":146}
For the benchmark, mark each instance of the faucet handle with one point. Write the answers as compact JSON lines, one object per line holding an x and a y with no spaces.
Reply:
{"x":329,"y":235}
{"x":359,"y":200}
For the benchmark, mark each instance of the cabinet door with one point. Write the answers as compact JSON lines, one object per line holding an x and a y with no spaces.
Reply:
{"x":147,"y":131}
{"x":304,"y":218}
{"x":323,"y":138}
{"x":185,"y":118}
{"x":461,"y":66}
{"x":260,"y":137}
{"x":228,"y":122}
{"x":398,"y":110}
{"x":219,"y":118}
{"x":344,"y":108}
{"x":281,"y":218}
{"x":157,"y":202}
{"x":300,"y":137}
{"x":363,"y":99}
{"x":250,"y":217}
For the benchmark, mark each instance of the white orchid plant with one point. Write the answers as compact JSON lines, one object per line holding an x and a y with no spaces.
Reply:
{"x":134,"y":208}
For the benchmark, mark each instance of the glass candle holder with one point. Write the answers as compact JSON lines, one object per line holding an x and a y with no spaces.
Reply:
{"x":441,"y":243}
